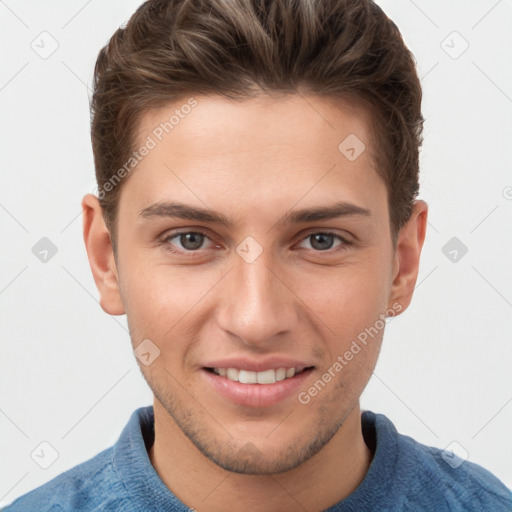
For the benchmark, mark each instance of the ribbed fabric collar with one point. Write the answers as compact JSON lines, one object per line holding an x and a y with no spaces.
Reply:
{"x":131,"y":461}
{"x":148,"y":492}
{"x":381,"y":482}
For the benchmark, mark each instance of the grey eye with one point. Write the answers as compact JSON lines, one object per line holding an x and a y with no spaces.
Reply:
{"x":191,"y":241}
{"x":321,"y":241}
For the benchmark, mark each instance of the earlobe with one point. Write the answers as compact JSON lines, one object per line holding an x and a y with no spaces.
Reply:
{"x":101,"y":257}
{"x":407,"y":256}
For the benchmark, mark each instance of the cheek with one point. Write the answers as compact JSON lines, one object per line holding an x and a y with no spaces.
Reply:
{"x":348,"y":299}
{"x":160,"y":300}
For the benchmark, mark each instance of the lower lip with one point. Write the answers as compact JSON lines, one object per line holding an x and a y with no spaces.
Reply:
{"x":256,"y":395}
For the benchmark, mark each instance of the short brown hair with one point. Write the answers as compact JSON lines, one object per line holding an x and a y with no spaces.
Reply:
{"x":345,"y":49}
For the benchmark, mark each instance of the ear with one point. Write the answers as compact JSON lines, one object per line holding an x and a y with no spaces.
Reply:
{"x":407,"y":256}
{"x":101,"y":256}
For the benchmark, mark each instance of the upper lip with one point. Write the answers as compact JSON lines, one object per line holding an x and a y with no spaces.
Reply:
{"x":251,"y":365}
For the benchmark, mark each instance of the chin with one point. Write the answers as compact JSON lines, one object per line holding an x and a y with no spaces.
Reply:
{"x":250,"y":460}
{"x":265,"y":451}
{"x":263,"y":456}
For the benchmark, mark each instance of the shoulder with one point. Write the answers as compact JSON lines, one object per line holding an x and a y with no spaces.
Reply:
{"x":406,"y":475}
{"x":447,"y":480}
{"x":91,"y":485}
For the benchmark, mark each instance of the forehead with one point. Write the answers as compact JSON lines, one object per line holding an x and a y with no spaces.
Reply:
{"x":305,"y":121}
{"x":266,"y":149}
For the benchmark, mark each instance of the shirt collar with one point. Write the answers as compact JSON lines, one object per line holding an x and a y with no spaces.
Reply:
{"x":148,"y":492}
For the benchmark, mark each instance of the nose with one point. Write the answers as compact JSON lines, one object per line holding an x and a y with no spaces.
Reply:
{"x":257,"y":304}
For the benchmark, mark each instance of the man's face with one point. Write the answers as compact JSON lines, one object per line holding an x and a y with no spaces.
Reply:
{"x":269,"y":290}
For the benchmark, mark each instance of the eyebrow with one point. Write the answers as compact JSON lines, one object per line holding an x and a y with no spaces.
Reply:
{"x":186,"y":212}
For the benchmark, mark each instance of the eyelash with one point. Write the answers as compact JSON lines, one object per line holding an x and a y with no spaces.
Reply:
{"x":166,"y":242}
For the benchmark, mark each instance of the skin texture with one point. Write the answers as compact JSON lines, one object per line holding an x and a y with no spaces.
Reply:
{"x":254,"y":162}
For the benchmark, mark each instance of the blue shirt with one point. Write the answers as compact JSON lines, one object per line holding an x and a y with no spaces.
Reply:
{"x":404,"y":476}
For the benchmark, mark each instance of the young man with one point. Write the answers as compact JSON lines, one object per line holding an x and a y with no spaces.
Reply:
{"x":257,"y":222}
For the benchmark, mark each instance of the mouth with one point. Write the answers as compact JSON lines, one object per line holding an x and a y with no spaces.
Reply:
{"x":263,"y":388}
{"x":270,"y":376}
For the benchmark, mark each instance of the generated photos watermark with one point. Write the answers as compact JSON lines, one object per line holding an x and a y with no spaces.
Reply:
{"x":357,"y":345}
{"x":157,"y":135}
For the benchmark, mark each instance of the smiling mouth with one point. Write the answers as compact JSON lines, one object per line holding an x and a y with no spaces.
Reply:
{"x":270,"y":376}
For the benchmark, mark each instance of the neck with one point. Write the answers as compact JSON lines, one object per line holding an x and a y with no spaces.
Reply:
{"x":322,"y":481}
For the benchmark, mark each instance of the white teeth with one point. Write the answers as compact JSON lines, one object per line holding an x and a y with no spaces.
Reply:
{"x":265,"y":377}
{"x":280,"y":374}
{"x":290,"y":372}
{"x":232,"y":374}
{"x":246,"y":377}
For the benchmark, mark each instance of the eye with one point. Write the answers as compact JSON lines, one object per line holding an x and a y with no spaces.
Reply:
{"x":188,"y":241}
{"x":323,"y":241}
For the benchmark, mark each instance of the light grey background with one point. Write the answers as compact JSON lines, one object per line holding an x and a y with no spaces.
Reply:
{"x":68,"y":376}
